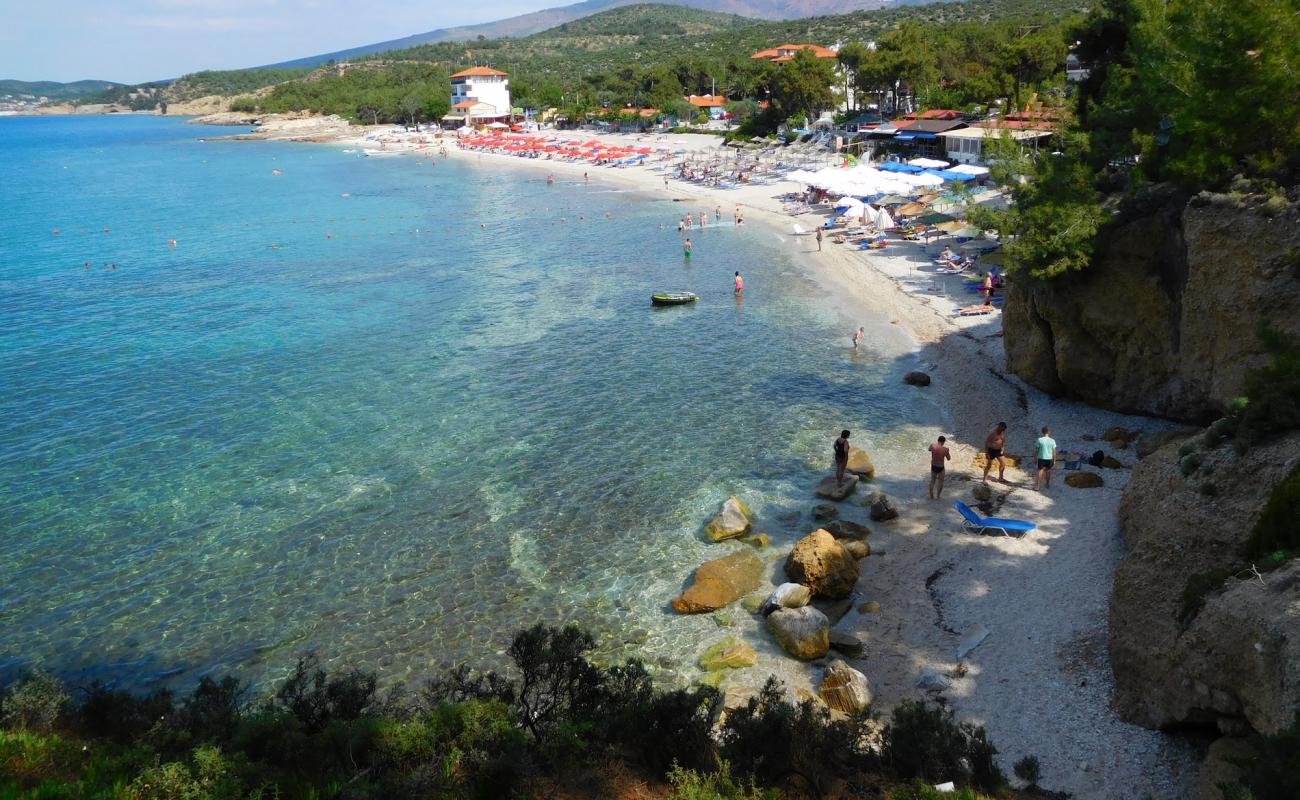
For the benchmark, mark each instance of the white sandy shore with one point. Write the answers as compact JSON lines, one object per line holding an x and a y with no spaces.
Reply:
{"x":1041,"y":681}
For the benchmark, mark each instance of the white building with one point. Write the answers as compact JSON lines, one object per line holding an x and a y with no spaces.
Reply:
{"x":966,"y":146}
{"x":479,"y":94}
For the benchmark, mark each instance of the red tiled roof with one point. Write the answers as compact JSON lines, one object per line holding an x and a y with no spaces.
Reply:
{"x":774,"y":54}
{"x":466,"y":104}
{"x":1016,"y":124}
{"x":935,"y":113}
{"x":481,"y":72}
{"x":706,"y":100}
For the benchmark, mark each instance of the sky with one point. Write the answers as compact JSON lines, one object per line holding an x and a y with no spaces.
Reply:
{"x":132,"y":41}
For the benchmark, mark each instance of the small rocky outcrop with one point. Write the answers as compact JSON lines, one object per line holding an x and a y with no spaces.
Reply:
{"x":1194,"y":636}
{"x":846,"y":643}
{"x":844,"y":688}
{"x":730,"y":653}
{"x":1084,"y":480}
{"x":834,"y":490}
{"x":758,"y":541}
{"x":802,"y":632}
{"x":844,"y":529}
{"x":916,"y":379}
{"x":820,"y":562}
{"x":720,"y":582}
{"x":825,"y":511}
{"x":1164,"y":320}
{"x":981,"y":492}
{"x":731,"y":521}
{"x":882,"y":508}
{"x":859,"y":463}
{"x":857,"y":549}
{"x":787,"y":595}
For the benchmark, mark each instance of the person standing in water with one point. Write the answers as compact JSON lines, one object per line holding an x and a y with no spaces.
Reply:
{"x":704,"y":219}
{"x":740,"y":284}
{"x":687,"y":248}
{"x":994,"y":444}
{"x":841,"y":456}
{"x":717,"y":213}
{"x":819,"y":240}
{"x":857,"y":337}
{"x":939,"y":453}
{"x":690,"y":220}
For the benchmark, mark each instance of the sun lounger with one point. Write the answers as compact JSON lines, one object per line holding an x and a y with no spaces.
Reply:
{"x":974,"y":311}
{"x":1007,"y":527}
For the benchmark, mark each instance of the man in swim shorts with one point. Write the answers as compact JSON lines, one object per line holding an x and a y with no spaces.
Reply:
{"x":857,"y":337}
{"x":687,"y":248}
{"x":994,"y":444}
{"x":939,"y":453}
{"x":1046,"y":447}
{"x":841,"y":456}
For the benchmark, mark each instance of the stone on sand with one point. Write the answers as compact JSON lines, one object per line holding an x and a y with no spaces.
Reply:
{"x":1084,"y":480}
{"x":859,"y":463}
{"x":825,"y":511}
{"x":916,"y":379}
{"x":844,"y":529}
{"x":882,"y":508}
{"x":857,"y":549}
{"x":844,"y":688}
{"x":802,"y":632}
{"x":787,"y":595}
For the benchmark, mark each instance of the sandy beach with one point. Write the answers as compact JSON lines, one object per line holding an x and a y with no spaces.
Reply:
{"x":1039,"y":678}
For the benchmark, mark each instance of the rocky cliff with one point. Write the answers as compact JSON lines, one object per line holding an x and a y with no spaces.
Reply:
{"x":1195,"y":636}
{"x":1164,"y":322}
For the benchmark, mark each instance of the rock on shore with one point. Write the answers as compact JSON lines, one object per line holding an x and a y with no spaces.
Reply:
{"x":730,"y":522}
{"x":720,"y":582}
{"x":802,"y":632}
{"x":820,"y":562}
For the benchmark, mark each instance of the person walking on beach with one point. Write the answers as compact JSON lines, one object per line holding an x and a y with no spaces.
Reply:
{"x":717,"y":213}
{"x":987,"y":288}
{"x":939,"y":453}
{"x":819,"y":240}
{"x":687,"y":248}
{"x":740,"y":284}
{"x":1046,"y":450}
{"x":857,"y":337}
{"x":841,"y":456}
{"x":994,"y":444}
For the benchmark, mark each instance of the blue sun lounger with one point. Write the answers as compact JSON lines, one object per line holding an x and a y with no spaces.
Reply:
{"x":1007,"y":527}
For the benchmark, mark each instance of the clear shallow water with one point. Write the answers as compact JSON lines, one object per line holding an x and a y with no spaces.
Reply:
{"x":339,"y":414}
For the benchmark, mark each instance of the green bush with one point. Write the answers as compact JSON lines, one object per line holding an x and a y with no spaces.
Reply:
{"x":925,"y":742}
{"x":1278,"y":528}
{"x":1272,"y":401}
{"x":121,"y":716}
{"x":35,"y":703}
{"x":918,"y":790}
{"x":317,"y":700}
{"x":717,"y":785}
{"x":1027,"y":769}
{"x":208,"y":775}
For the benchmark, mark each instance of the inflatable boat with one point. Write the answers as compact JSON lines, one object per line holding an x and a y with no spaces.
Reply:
{"x":673,"y":298}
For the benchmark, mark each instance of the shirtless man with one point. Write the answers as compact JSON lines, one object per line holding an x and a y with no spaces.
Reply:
{"x":841,"y":456}
{"x":994,"y":444}
{"x":857,"y":337}
{"x":939,"y":453}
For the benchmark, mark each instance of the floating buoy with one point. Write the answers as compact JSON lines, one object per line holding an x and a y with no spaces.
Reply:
{"x":173,"y":242}
{"x":56,"y":231}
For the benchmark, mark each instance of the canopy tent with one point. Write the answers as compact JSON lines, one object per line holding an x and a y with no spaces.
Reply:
{"x":970,"y":169}
{"x":498,"y":126}
{"x":896,"y":166}
{"x":925,"y":179}
{"x":928,"y":163}
{"x":949,"y":175}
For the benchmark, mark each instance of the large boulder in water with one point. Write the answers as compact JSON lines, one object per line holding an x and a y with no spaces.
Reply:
{"x":730,"y":522}
{"x":820,"y":562}
{"x":859,"y":463}
{"x":916,"y":379}
{"x":802,"y":632}
{"x":720,"y":582}
{"x":832,"y":489}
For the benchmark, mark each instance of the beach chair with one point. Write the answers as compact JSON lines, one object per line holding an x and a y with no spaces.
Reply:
{"x":974,"y":523}
{"x":974,"y":311}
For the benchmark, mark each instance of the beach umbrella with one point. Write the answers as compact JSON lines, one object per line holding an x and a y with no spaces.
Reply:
{"x":934,"y":218}
{"x":891,"y":200}
{"x":980,"y":245}
{"x":912,"y":209}
{"x":968,"y":232}
{"x":883,"y":220}
{"x":928,"y":163}
{"x":950,"y":226}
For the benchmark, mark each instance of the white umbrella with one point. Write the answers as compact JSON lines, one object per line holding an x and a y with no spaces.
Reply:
{"x":883,"y":220}
{"x":498,"y":125}
{"x":928,"y":163}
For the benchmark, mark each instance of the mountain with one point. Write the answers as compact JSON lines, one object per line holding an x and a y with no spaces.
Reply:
{"x":55,"y":90}
{"x":526,"y":24}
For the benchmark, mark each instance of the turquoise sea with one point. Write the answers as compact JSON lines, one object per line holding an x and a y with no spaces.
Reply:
{"x":388,"y":409}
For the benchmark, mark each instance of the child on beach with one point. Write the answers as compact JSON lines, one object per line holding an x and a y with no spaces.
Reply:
{"x":939,"y":453}
{"x":1046,"y":447}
